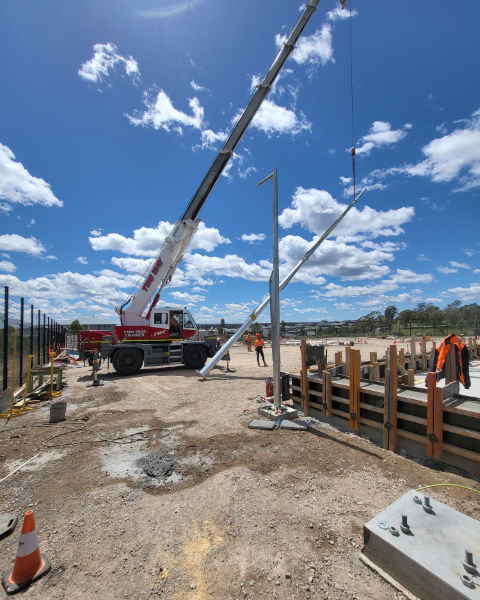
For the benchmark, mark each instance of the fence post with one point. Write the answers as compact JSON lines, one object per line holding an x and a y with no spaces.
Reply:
{"x":38,"y":338}
{"x":44,"y":337}
{"x":31,"y":332}
{"x":22,"y":308}
{"x":5,"y":342}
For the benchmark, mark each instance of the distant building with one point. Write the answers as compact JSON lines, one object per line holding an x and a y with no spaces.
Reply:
{"x":88,"y":323}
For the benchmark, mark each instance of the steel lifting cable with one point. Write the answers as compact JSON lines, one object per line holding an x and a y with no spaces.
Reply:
{"x":352,"y":151}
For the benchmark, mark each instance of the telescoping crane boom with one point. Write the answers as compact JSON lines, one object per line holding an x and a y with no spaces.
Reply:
{"x":151,"y":335}
{"x":171,"y":253}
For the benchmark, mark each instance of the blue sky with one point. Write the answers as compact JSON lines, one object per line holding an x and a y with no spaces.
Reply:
{"x":111,"y":113}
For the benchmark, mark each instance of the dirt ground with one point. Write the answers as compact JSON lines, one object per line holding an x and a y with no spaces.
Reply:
{"x":154,"y":487}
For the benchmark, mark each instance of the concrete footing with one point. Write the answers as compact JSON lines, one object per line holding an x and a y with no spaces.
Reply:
{"x":269,"y":413}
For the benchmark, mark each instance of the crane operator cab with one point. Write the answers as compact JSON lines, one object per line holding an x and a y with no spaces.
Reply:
{"x":172,"y":324}
{"x":176,"y":324}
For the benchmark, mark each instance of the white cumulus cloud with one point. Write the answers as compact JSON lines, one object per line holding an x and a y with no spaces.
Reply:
{"x":11,"y":242}
{"x":18,"y":186}
{"x":105,"y":59}
{"x":161,"y":114}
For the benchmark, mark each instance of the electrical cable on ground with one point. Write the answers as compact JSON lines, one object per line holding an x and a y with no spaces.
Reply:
{"x":125,"y":439}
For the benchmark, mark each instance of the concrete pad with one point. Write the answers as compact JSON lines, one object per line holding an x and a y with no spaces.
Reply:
{"x":257,"y":424}
{"x":294,"y":425}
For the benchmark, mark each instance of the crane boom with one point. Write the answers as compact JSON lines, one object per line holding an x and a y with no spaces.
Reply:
{"x":171,"y":253}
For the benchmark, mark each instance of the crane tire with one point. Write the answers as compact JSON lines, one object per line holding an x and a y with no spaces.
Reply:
{"x":127,"y":361}
{"x":195,"y":356}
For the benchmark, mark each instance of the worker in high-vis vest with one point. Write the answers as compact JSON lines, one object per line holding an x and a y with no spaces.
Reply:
{"x":259,"y":344}
{"x":248,"y":340}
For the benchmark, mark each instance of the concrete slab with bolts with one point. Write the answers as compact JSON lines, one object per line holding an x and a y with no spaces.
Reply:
{"x":269,"y":413}
{"x":427,"y":547}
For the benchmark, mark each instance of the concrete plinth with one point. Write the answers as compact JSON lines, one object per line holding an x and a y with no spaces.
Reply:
{"x":269,"y":413}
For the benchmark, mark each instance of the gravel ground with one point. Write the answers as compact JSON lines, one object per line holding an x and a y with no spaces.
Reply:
{"x":154,"y":487}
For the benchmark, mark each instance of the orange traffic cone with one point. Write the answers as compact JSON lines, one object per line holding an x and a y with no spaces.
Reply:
{"x":29,"y":565}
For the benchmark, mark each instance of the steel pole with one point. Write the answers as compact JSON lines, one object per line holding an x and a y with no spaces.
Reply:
{"x":257,"y":312}
{"x":275,"y":299}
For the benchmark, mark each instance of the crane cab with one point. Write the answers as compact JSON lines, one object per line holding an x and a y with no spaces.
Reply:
{"x":172,"y":324}
{"x":166,"y":323}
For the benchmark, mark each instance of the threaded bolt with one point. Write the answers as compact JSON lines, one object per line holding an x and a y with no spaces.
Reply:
{"x":427,"y":507}
{"x":404,"y":526}
{"x":468,"y":563}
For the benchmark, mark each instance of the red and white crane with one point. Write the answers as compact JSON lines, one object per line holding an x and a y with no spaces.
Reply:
{"x":151,"y":335}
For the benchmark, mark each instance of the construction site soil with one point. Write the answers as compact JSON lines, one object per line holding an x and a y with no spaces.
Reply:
{"x":154,"y":487}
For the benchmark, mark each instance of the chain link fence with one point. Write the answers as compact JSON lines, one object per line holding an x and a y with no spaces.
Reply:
{"x":25,"y":331}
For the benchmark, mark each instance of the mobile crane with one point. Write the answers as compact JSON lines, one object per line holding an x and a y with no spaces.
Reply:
{"x":150,"y":335}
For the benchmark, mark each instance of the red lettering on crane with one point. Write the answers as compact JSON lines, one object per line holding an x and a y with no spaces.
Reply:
{"x":154,"y":271}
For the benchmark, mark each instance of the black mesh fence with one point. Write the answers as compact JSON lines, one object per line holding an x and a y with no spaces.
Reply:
{"x":27,"y":336}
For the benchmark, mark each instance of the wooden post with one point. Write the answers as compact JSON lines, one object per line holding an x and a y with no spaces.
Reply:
{"x":413,"y":354}
{"x":386,"y":410}
{"x":304,"y":376}
{"x":327,"y":393}
{"x":373,"y":357}
{"x":338,"y":359}
{"x":355,"y":360}
{"x":401,"y":358}
{"x":376,"y":371}
{"x":431,"y":386}
{"x":438,"y":423}
{"x":393,"y":399}
{"x":411,"y":377}
{"x":346,"y":367}
{"x":424,"y":353}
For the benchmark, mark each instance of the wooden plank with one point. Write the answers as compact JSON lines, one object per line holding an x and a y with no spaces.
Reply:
{"x":373,"y":357}
{"x":370,"y":423}
{"x":393,"y":397}
{"x":431,"y":385}
{"x":327,"y":393}
{"x":386,"y":413}
{"x":462,"y":452}
{"x":411,"y":436}
{"x":338,"y":359}
{"x":412,"y":418}
{"x":438,"y":423}
{"x":376,"y":371}
{"x":377,"y":409}
{"x":470,"y":433}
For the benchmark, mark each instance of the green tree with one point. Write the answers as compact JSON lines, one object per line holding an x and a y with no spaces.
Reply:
{"x":390,"y":315}
{"x":256,"y":327}
{"x":283,"y":327}
{"x":221,"y":328}
{"x":75,"y":326}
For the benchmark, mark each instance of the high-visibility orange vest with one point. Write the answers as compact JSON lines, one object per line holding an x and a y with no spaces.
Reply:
{"x":258,"y":342}
{"x":447,"y":343}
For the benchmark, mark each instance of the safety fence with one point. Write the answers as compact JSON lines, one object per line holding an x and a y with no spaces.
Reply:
{"x":25,"y":331}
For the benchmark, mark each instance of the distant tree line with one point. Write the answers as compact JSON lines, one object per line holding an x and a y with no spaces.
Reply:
{"x":425,"y":315}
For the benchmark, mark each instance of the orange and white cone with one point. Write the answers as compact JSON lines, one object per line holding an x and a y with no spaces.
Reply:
{"x":29,"y":565}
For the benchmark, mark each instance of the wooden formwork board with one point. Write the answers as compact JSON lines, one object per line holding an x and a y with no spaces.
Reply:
{"x":455,"y":422}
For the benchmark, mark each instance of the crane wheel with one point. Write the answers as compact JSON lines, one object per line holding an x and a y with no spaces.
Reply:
{"x":127,"y":361}
{"x":195,"y":357}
